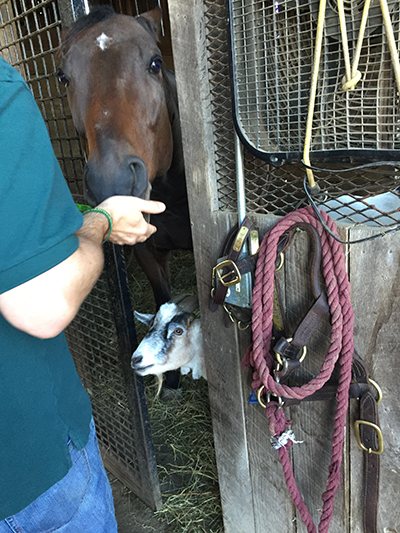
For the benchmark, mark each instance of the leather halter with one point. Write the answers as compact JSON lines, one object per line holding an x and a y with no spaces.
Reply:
{"x":289,"y":352}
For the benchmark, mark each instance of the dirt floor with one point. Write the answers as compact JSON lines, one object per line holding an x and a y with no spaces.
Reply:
{"x":133,"y":516}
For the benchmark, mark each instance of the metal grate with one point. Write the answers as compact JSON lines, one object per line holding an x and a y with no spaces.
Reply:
{"x":94,"y":345}
{"x":101,"y":340}
{"x":348,"y":196}
{"x":29,"y":37}
{"x":273,"y":54}
{"x":101,"y":336}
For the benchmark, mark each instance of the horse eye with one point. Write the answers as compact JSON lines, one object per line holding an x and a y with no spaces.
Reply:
{"x":155,"y":65}
{"x":62,"y":78}
{"x":178,"y":331}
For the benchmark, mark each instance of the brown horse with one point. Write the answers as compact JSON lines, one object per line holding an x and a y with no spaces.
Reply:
{"x":124,"y":106}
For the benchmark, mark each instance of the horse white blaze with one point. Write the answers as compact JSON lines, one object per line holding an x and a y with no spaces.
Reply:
{"x":103,"y":41}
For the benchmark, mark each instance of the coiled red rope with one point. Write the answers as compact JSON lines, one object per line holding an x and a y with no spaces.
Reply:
{"x":340,"y":350}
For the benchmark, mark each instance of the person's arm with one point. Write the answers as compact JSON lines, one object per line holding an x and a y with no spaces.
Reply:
{"x":46,"y":304}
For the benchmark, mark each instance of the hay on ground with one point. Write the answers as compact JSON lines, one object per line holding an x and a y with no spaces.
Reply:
{"x":181,"y":427}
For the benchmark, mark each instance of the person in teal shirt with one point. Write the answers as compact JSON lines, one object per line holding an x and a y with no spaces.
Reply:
{"x":51,"y":475}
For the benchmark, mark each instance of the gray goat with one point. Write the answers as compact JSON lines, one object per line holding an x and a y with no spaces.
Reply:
{"x":174,"y":340}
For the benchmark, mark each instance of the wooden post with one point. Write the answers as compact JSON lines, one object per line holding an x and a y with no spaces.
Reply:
{"x":209,"y":229}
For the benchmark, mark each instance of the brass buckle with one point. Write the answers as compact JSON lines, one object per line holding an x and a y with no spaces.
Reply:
{"x":278,"y":356}
{"x":357,"y":425}
{"x":378,"y":390}
{"x":220,"y":277}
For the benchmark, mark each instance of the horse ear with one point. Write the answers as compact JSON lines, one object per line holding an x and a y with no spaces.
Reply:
{"x":153,"y":19}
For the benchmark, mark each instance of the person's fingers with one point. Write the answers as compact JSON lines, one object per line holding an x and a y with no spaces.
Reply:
{"x":120,"y":205}
{"x":150,"y":206}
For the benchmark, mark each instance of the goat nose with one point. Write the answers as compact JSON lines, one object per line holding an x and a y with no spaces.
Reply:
{"x":136,"y":359}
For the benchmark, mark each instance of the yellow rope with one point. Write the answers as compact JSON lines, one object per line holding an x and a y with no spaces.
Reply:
{"x":353,"y":75}
{"x":345,"y":44}
{"x":313,"y":91}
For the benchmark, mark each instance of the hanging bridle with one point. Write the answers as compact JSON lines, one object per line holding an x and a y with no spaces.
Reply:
{"x":276,"y":354}
{"x":275,"y":361}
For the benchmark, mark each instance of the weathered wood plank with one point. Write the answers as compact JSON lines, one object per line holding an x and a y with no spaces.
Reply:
{"x":312,"y":421}
{"x":375,"y":282}
{"x":254,"y":495}
{"x":273,"y":510}
{"x":209,"y":230}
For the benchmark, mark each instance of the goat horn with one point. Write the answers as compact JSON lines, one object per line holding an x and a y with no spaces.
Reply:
{"x":188,"y":302}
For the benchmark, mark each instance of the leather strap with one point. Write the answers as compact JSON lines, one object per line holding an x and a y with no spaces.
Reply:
{"x":290,"y":351}
{"x":243,"y":265}
{"x":369,"y":439}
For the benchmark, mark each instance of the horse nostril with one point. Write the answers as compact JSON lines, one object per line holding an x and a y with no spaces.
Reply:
{"x":139,"y":172}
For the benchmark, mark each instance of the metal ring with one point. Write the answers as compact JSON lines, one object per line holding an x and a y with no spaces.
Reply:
{"x":378,"y":389}
{"x":229,"y":313}
{"x":281,"y":262}
{"x":278,"y":356}
{"x":281,"y":403}
{"x":259,"y":392}
{"x":303,"y":354}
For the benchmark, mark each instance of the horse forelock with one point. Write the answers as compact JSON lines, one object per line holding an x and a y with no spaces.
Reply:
{"x":97,"y":14}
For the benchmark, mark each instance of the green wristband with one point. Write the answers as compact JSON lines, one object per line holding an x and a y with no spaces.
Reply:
{"x":107,"y":215}
{"x":82,"y":207}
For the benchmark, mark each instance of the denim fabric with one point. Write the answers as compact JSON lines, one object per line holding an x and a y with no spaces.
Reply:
{"x":81,"y":502}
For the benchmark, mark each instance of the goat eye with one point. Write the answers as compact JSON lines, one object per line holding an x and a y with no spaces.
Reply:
{"x":62,"y":78}
{"x":155,"y":65}
{"x":178,"y":331}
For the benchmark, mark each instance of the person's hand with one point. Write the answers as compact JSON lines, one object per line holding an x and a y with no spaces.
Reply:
{"x":129,"y":225}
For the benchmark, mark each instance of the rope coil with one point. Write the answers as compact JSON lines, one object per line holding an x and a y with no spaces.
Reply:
{"x":341,"y":350}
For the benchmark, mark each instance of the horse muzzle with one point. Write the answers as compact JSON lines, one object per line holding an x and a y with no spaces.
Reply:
{"x":103,"y":179}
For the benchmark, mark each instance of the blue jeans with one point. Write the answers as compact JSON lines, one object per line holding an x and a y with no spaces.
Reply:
{"x":80,"y":503}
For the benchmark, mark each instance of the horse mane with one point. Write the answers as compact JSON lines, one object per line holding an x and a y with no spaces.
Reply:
{"x":97,"y":14}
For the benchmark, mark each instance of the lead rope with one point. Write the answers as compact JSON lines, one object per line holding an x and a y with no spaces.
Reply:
{"x":341,"y":350}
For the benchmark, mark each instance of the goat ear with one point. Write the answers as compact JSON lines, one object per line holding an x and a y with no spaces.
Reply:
{"x":187,"y":302}
{"x":145,"y":318}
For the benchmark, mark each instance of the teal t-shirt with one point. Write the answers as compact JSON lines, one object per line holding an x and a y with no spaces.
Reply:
{"x":42,"y":400}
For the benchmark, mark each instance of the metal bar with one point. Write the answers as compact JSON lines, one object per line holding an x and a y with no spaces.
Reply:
{"x":70,"y":11}
{"x":127,"y":342}
{"x":241,"y":194}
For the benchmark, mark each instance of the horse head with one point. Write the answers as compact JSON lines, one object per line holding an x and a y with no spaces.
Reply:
{"x":112,"y":68}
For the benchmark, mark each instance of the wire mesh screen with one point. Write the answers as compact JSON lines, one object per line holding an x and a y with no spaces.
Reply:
{"x":94,"y":345}
{"x":29,"y":36}
{"x":367,"y":196}
{"x":273,"y":53}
